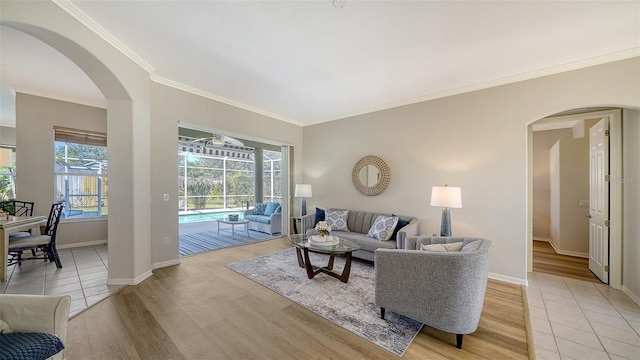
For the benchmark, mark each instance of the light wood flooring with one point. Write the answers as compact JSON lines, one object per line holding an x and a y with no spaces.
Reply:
{"x":202,"y":310}
{"x":547,"y":261}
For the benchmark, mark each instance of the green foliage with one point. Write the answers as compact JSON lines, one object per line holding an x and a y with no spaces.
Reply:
{"x":200,"y":188}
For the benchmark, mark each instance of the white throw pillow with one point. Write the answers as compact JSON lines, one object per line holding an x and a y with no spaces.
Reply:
{"x":337,"y":219}
{"x":382,"y":228}
{"x":457,"y":246}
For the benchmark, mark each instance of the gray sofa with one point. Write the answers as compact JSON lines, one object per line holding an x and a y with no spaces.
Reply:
{"x":270,"y":224}
{"x":444,"y":290}
{"x":359,"y":223}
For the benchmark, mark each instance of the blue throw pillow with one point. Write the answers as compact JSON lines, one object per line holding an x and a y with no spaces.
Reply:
{"x":259,"y":208}
{"x":320,"y":215}
{"x":401,"y":223}
{"x":271,"y":208}
{"x":18,"y":346}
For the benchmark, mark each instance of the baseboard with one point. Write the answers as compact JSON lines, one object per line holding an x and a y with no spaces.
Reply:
{"x":508,"y":279}
{"x":128,"y":281}
{"x":81,"y":244}
{"x":568,"y":253}
{"x":162,"y":264}
{"x":536,"y":238}
{"x":632,"y":296}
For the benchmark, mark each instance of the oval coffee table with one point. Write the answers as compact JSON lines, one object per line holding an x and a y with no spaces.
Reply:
{"x":233,"y":224}
{"x":342,"y":248}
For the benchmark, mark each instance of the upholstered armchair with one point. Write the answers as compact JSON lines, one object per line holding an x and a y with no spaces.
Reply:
{"x":37,"y":314}
{"x":444,"y":290}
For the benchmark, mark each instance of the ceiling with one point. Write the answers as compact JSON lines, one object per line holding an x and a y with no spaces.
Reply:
{"x":307,"y":62}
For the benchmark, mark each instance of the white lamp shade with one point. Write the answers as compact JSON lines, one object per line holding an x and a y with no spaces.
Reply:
{"x":6,"y":158}
{"x":446,"y":196}
{"x":303,"y":190}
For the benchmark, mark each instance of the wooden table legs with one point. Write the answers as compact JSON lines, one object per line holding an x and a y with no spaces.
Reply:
{"x":313,"y":270}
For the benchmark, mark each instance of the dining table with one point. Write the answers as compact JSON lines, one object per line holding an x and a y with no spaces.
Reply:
{"x":15,"y":224}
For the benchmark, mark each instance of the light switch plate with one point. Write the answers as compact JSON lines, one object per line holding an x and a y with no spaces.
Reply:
{"x":166,"y":197}
{"x":584,"y":203}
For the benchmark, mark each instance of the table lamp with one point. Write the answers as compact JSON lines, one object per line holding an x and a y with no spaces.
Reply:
{"x":446,"y":197}
{"x":303,"y":191}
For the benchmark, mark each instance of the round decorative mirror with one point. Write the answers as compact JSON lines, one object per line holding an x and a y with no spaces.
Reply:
{"x":371,"y":175}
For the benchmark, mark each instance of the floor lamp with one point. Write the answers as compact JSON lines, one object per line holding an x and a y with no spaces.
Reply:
{"x":446,"y":197}
{"x":6,"y":161}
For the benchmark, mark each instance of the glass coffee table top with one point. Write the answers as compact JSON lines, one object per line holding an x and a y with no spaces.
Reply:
{"x":342,"y":247}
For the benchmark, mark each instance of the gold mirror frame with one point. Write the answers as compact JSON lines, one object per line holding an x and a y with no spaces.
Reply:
{"x":383,"y":170}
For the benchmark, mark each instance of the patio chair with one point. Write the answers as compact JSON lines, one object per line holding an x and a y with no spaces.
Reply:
{"x":45,"y":242}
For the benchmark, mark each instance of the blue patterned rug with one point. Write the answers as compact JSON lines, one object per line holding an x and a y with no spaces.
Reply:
{"x":349,"y":305}
{"x":206,"y":241}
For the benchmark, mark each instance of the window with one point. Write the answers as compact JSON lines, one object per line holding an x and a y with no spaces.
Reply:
{"x":81,"y":172}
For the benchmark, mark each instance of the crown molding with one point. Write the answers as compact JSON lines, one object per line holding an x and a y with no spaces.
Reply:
{"x":208,"y":95}
{"x":97,"y":104}
{"x":93,"y":25}
{"x":599,"y":60}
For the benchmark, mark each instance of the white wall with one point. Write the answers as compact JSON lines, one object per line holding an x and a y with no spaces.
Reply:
{"x":7,"y":136}
{"x":631,"y":204}
{"x":569,"y":184}
{"x":35,"y":156}
{"x":476,"y":140}
{"x":542,"y":142}
{"x":171,"y":106}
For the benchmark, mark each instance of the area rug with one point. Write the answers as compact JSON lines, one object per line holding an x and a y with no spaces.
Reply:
{"x":349,"y":305}
{"x":190,"y":244}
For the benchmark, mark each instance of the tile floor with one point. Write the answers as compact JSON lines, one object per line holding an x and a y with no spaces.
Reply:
{"x":83,"y":277}
{"x":573,"y":319}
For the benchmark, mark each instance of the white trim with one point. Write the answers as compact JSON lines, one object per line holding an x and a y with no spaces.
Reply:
{"x":537,"y":238}
{"x":631,"y":295}
{"x":93,"y":25}
{"x":615,"y":198}
{"x":508,"y":279}
{"x":97,"y":104}
{"x":224,"y":100}
{"x":81,"y":244}
{"x":162,"y":264}
{"x":127,"y":281}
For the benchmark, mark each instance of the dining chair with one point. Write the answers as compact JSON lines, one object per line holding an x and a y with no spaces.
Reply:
{"x":46,"y":242}
{"x":18,"y":208}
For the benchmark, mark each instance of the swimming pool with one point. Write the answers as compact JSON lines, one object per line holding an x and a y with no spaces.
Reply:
{"x":206,"y":216}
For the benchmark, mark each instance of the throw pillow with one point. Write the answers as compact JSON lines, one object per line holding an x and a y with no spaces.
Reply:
{"x":279,"y":209}
{"x":401,"y":223}
{"x":258,"y":208}
{"x":337,"y":219}
{"x":472,"y":246}
{"x":4,"y":327}
{"x":271,"y":208}
{"x":29,"y":346}
{"x":457,"y":246}
{"x":320,"y":216}
{"x":382,"y":228}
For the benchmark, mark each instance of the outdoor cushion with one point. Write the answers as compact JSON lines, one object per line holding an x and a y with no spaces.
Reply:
{"x":259,"y":208}
{"x":33,"y":346}
{"x":259,"y":218}
{"x":271,"y":208}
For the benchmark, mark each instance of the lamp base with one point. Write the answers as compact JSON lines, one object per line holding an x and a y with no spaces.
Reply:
{"x":303,"y":207}
{"x":445,"y":223}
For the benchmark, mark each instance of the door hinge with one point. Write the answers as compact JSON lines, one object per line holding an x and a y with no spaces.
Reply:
{"x":606,"y":133}
{"x":606,"y":223}
{"x":607,"y":178}
{"x":606,"y":268}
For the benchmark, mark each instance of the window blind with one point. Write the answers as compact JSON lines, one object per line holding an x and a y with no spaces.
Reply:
{"x":80,"y":136}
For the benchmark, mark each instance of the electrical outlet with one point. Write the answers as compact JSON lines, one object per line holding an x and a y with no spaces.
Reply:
{"x":166,"y":240}
{"x":166,"y":197}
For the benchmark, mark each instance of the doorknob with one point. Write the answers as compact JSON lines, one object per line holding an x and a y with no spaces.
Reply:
{"x":589,"y":216}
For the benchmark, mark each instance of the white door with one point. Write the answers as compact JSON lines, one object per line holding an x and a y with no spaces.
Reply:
{"x":599,"y":200}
